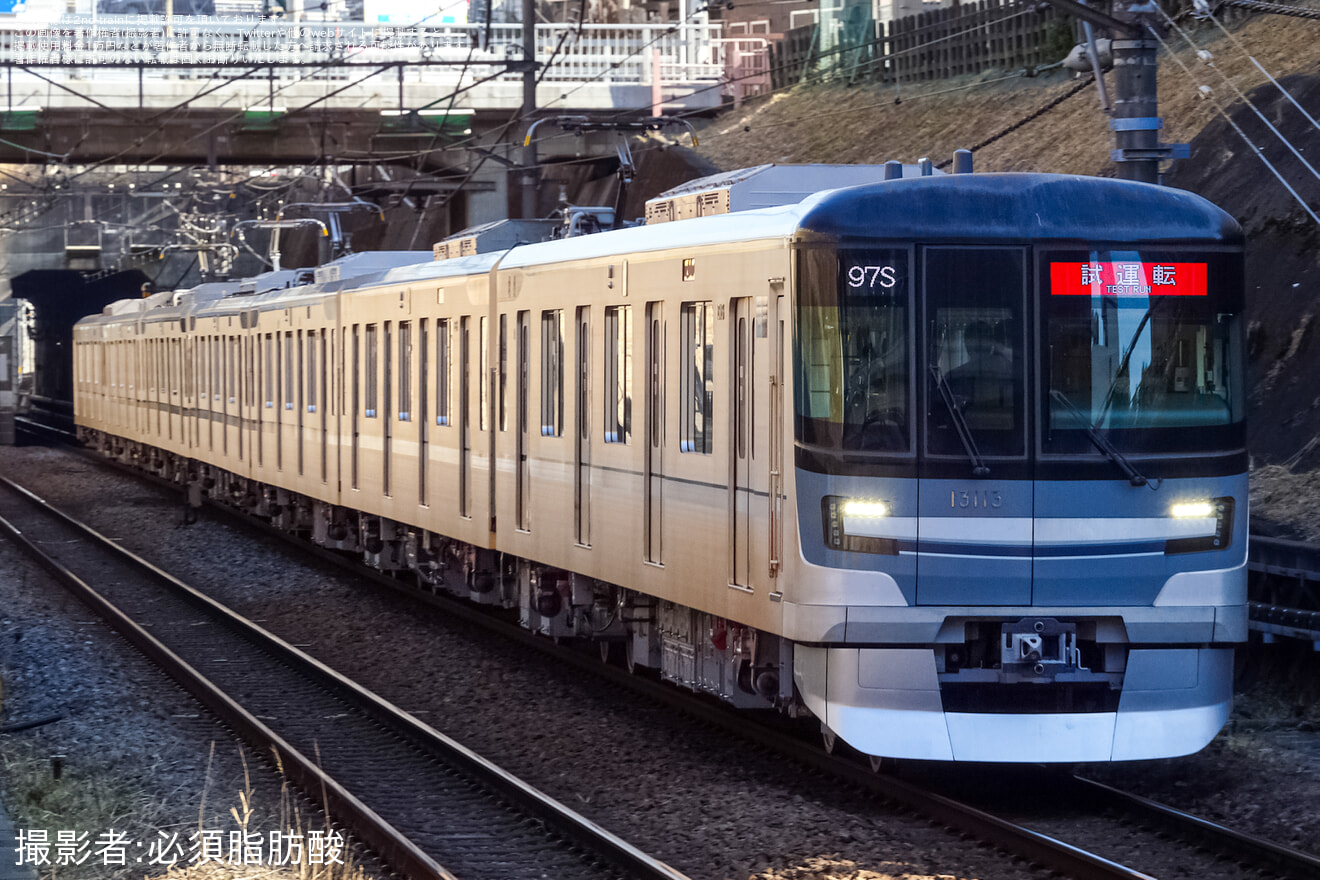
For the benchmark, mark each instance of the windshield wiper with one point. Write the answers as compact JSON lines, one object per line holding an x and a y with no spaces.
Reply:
{"x":1098,"y":440}
{"x":959,"y":423}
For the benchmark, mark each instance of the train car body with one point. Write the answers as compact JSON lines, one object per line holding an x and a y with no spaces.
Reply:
{"x":954,"y":464}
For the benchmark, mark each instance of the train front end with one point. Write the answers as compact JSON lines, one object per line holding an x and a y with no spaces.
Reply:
{"x":1020,"y":468}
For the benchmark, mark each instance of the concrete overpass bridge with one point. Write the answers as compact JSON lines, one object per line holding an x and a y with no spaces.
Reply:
{"x":119,"y":110}
{"x":211,"y":91}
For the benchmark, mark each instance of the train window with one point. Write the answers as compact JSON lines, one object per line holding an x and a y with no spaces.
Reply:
{"x":249,"y":361}
{"x":584,"y":374}
{"x":290,"y":359}
{"x":311,"y":371}
{"x":442,"y":372}
{"x":270,"y":371}
{"x":974,"y":350}
{"x":482,"y":373}
{"x":405,"y":371}
{"x":388,"y":385}
{"x":504,"y":370}
{"x":552,"y":373}
{"x":854,"y":374}
{"x":233,"y":368}
{"x":524,"y":361}
{"x":697,"y":382}
{"x":1144,"y":348}
{"x":618,"y":374}
{"x":372,"y":358}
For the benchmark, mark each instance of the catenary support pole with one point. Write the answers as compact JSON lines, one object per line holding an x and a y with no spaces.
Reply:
{"x":530,"y":182}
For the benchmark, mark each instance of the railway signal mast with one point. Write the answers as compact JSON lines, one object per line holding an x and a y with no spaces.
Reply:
{"x":1135,"y":118}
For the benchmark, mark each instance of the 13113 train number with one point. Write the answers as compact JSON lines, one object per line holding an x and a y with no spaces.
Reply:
{"x":975,"y":499}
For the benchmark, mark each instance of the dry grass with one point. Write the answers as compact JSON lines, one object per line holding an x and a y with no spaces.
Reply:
{"x":98,"y":800}
{"x":869,"y":124}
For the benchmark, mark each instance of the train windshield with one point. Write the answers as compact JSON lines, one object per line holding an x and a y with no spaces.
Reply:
{"x":975,"y":351}
{"x":1144,"y":348}
{"x":853,"y":383}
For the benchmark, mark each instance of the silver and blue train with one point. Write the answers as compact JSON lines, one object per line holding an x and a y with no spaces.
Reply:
{"x":955,"y":464}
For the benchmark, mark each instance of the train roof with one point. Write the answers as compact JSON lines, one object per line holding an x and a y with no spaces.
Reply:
{"x":952,"y":207}
{"x":948,"y":208}
{"x":1023,"y":207}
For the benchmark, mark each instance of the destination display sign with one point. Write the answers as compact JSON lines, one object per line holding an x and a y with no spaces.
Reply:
{"x":1127,"y":279}
{"x":878,"y":272}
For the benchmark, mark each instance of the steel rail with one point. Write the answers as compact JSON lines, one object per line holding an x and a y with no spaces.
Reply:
{"x":393,"y":847}
{"x":43,"y":429}
{"x":1228,"y":841}
{"x":1283,"y":556}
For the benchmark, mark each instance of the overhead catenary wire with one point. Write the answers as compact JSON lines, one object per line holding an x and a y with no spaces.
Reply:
{"x":332,"y":62}
{"x":170,"y":113}
{"x":459,"y":145}
{"x":518,"y":118}
{"x":1208,"y":60}
{"x":1273,"y":8}
{"x":1030,"y":117}
{"x":1238,"y":44}
{"x":546,"y":68}
{"x":1205,"y":91}
{"x":837,"y":51}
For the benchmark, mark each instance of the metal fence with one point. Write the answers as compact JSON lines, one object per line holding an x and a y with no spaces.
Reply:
{"x":942,"y":43}
{"x":604,"y":53}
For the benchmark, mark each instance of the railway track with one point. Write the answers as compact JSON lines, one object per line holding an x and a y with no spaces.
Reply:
{"x":424,"y":804}
{"x":1129,"y":823}
{"x":1244,"y":849}
{"x":48,"y":419}
{"x":1285,"y":589}
{"x":1136,"y":823}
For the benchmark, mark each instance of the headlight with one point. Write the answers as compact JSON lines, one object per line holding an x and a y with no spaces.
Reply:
{"x":1218,"y":530}
{"x":868,"y":509}
{"x":1193,"y":510}
{"x":854,"y":525}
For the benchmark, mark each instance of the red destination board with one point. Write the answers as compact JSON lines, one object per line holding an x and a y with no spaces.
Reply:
{"x":1127,"y":279}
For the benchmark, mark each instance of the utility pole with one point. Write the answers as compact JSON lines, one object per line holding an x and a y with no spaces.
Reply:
{"x":1135,"y":118}
{"x":530,"y":176}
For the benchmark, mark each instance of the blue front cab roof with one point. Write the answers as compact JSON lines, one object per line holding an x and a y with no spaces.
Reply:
{"x":1020,"y":207}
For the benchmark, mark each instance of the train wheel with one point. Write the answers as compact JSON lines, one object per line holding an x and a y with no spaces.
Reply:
{"x":611,"y":651}
{"x":881,"y":764}
{"x":629,"y":659}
